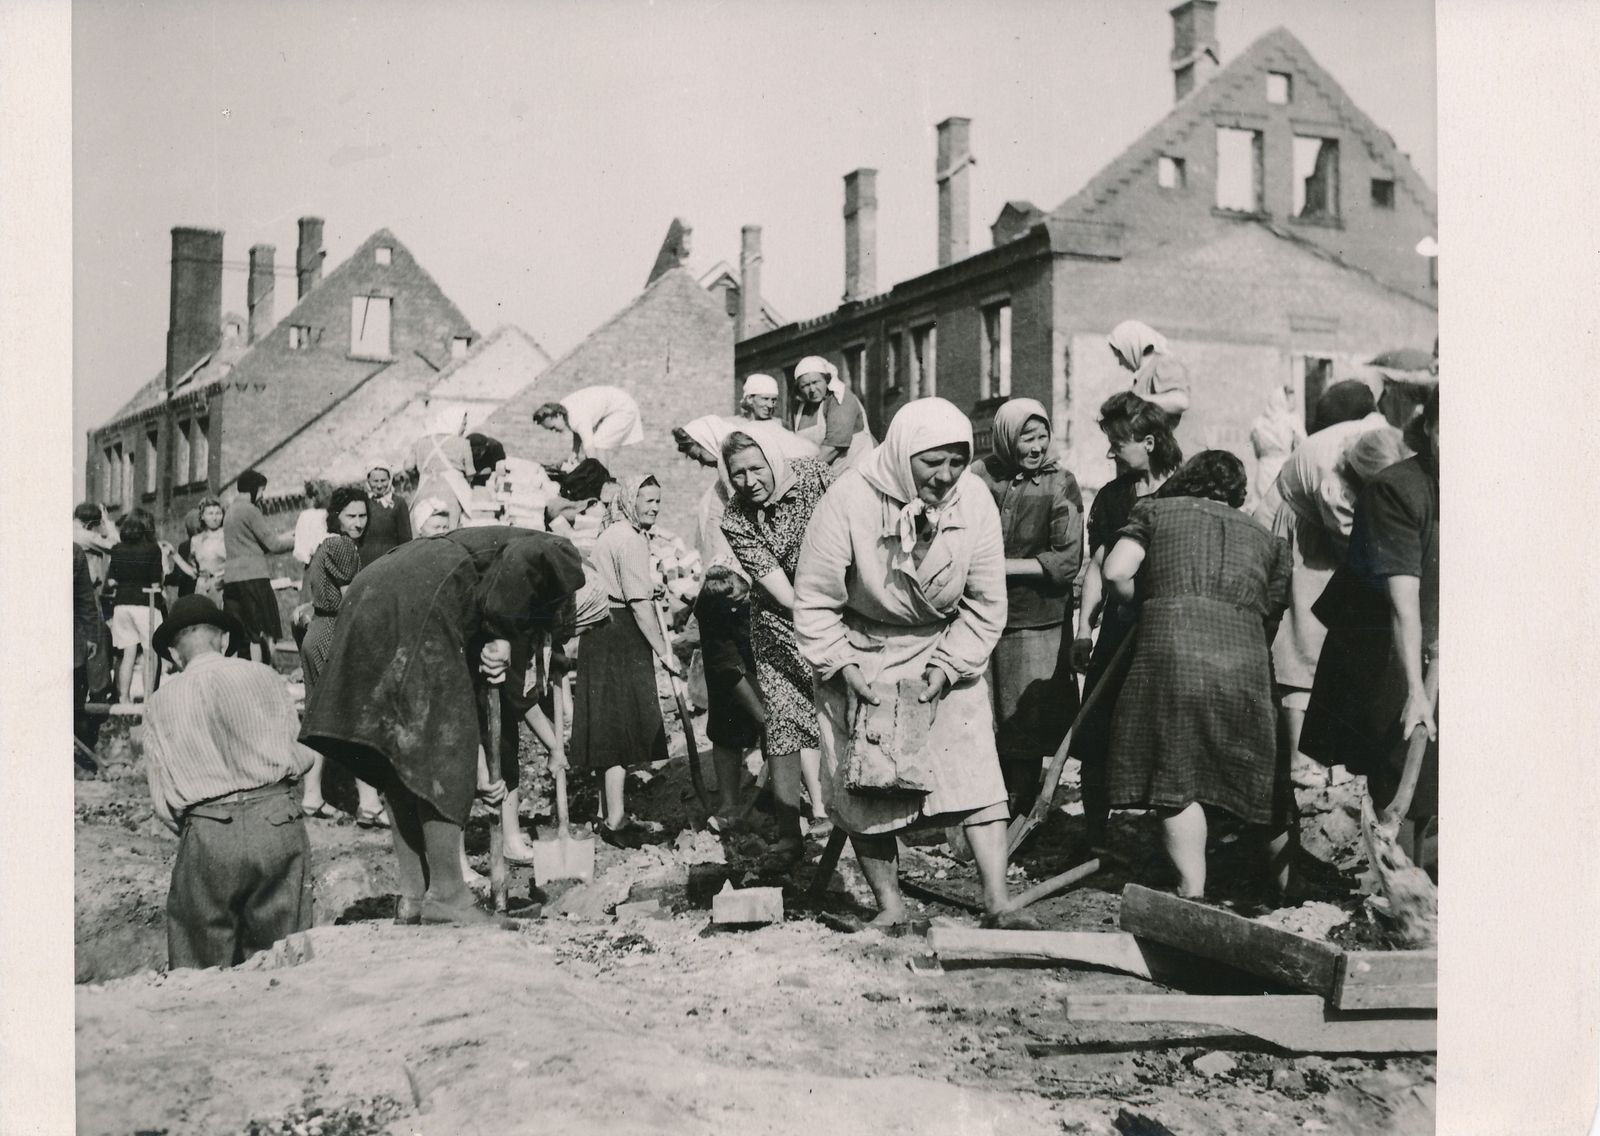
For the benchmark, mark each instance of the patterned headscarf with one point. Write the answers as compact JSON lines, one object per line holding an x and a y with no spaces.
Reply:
{"x":626,"y":506}
{"x":919,"y":425}
{"x":1009,"y":422}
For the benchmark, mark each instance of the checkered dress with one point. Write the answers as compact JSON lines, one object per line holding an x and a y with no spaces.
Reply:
{"x":1195,"y":718}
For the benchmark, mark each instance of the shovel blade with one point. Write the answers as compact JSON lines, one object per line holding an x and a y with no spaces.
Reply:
{"x":562,"y":859}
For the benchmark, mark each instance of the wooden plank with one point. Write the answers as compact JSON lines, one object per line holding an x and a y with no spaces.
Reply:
{"x":1387,"y":980}
{"x":1114,"y":950}
{"x":1294,"y":960}
{"x":1298,"y":1022}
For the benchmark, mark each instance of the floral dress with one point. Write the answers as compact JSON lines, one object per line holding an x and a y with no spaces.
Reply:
{"x":764,"y":538}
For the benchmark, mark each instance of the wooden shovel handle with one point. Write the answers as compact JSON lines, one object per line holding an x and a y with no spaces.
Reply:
{"x":1396,"y":810}
{"x":559,"y":724}
{"x":683,"y":717}
{"x":497,"y":850}
{"x":1021,"y":826}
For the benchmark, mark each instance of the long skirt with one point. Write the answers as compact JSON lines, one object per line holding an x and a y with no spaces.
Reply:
{"x":785,"y":682}
{"x":616,"y":712}
{"x":1195,"y":719}
{"x":967,"y":783}
{"x":254,"y":604}
{"x":1035,"y":692}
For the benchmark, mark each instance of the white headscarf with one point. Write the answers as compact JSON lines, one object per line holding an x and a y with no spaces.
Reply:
{"x":708,"y":432}
{"x":921,"y":424}
{"x":1132,"y":339}
{"x":761,"y":384}
{"x":780,"y":446}
{"x":817,"y":365}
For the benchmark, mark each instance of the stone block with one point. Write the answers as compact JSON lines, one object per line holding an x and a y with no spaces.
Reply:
{"x":747,"y":905}
{"x":643,"y":909}
{"x":1214,"y":1064}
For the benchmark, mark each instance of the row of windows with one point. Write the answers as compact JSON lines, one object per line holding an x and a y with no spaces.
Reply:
{"x":191,"y":463}
{"x":911,"y":359}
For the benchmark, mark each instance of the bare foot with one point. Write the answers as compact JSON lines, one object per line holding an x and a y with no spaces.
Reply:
{"x":889,"y":917}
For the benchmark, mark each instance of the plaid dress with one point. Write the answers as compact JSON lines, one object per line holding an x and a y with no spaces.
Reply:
{"x":1195,"y":718}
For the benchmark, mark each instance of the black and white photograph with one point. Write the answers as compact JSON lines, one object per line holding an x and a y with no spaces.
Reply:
{"x":663,"y":566}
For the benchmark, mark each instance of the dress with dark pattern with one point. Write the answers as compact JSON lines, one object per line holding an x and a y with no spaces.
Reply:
{"x":764,"y":539}
{"x":1195,"y":719}
{"x":333,"y":565}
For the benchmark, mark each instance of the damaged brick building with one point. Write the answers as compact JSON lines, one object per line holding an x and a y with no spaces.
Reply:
{"x":1267,"y":226}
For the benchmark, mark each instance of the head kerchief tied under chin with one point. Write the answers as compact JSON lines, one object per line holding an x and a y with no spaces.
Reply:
{"x":771,"y":439}
{"x":425,"y":510}
{"x":761,"y":384}
{"x":1009,"y":422}
{"x":626,"y":507}
{"x":922,"y":424}
{"x":817,"y":365}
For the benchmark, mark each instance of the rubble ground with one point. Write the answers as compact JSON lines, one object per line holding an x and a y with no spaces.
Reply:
{"x":665,"y":1023}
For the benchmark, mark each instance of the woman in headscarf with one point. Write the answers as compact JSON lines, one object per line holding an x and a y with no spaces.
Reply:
{"x":760,"y":401}
{"x":701,"y":441}
{"x":1194,"y":724}
{"x":901,"y":599}
{"x":388,"y":514}
{"x":1041,"y":521}
{"x":616,"y":713}
{"x":599,"y":419}
{"x":1313,"y":502}
{"x":1145,"y":454}
{"x":830,"y":414}
{"x":420,"y":636}
{"x":1158,"y":375}
{"x":1382,"y":614}
{"x":1273,"y":436}
{"x":768,"y":513}
{"x":442,"y":461}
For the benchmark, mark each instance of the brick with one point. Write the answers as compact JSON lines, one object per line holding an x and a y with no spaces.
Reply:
{"x":747,"y":905}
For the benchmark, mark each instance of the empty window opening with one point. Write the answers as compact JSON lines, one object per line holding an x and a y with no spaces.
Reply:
{"x":458,"y":347}
{"x":369,"y":326}
{"x":152,"y":463}
{"x":1238,"y":170}
{"x":1317,"y":376}
{"x":111,"y":483}
{"x":126,"y":454}
{"x":996,"y":352}
{"x":383,"y":255}
{"x":200,"y":449}
{"x":299,"y":337}
{"x":1280,"y":88}
{"x":1382,"y":193}
{"x":1316,"y":177}
{"x":891,"y":363}
{"x":921,"y":361}
{"x":855,"y":370}
{"x":181,"y":457}
{"x":1170,"y":173}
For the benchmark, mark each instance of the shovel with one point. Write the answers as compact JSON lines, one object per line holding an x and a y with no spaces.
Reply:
{"x":497,"y":838}
{"x":562,"y":858}
{"x":679,"y":694}
{"x":150,"y":664}
{"x":1413,"y":898}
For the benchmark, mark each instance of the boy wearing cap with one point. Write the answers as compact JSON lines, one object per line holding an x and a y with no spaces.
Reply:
{"x":224,"y":764}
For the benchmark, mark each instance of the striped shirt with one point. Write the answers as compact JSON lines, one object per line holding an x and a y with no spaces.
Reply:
{"x":220,"y":726}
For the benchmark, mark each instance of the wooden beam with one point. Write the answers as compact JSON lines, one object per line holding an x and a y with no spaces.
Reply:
{"x":1298,"y":1022}
{"x":1114,"y":950}
{"x":1294,"y":960}
{"x":1387,"y":980}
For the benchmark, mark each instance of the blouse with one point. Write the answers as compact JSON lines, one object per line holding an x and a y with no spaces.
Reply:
{"x":333,"y":565}
{"x":622,"y":560}
{"x":767,"y":537}
{"x":135,"y":567}
{"x":844,"y":419}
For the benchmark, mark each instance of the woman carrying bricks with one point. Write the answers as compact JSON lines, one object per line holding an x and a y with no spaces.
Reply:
{"x":900,"y":599}
{"x":1041,"y":520}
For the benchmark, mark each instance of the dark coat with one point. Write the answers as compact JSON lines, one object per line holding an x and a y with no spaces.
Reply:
{"x":397,"y":698}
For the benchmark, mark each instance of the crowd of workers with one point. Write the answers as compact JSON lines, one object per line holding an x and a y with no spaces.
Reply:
{"x":1233,"y":634}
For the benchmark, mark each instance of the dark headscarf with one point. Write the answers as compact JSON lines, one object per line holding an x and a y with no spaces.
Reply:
{"x":1343,"y":402}
{"x":584,"y":480}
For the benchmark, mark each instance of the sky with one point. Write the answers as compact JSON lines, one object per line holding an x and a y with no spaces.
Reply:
{"x":532,"y":154}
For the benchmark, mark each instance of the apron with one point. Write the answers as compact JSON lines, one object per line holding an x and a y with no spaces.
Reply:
{"x":861,"y":444}
{"x":960,"y":749}
{"x":446,"y":472}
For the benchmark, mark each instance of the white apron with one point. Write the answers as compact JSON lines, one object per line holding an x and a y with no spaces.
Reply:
{"x":861,"y":443}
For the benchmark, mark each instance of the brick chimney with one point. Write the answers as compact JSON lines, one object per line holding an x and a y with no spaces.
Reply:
{"x":860,"y":234}
{"x":749,"y":282}
{"x":194,"y":326}
{"x":308,"y":257}
{"x":258,"y":292}
{"x":955,"y":192}
{"x":1195,"y":53}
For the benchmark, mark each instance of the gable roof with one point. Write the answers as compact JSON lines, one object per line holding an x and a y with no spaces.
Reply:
{"x":721,"y":271}
{"x":1197,"y":107}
